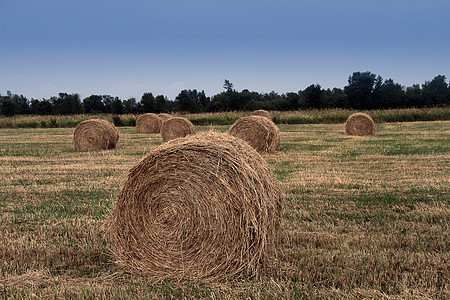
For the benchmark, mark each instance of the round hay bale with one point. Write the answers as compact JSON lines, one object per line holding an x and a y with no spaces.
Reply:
{"x":262,"y":113}
{"x":176,"y":127}
{"x":95,"y":134}
{"x":200,"y":208}
{"x":259,"y":132}
{"x":164,"y":116}
{"x":148,"y":123}
{"x":360,"y":124}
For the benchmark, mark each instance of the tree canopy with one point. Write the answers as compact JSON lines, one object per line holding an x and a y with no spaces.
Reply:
{"x":365,"y":90}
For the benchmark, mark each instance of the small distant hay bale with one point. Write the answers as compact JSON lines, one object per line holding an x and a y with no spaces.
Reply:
{"x":148,"y":123}
{"x":201,"y":208}
{"x":259,"y":132}
{"x":360,"y":124}
{"x":262,"y":113}
{"x":95,"y":134}
{"x":164,"y":116}
{"x":176,"y":127}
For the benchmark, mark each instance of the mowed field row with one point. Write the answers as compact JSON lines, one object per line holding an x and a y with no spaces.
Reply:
{"x":365,"y":216}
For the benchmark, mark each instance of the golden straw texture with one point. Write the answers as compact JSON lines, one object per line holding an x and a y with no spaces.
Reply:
{"x":148,"y":123}
{"x":95,"y":134}
{"x":262,"y":113}
{"x":176,"y":127}
{"x":201,"y":208}
{"x":359,"y":124}
{"x":164,"y":116}
{"x":260,"y":132}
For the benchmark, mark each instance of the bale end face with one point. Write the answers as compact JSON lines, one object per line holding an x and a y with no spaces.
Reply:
{"x":259,"y":132}
{"x":148,"y":123}
{"x":95,"y":134}
{"x":204,"y":207}
{"x":360,"y":124}
{"x":176,"y":127}
{"x":164,"y":116}
{"x":262,"y":113}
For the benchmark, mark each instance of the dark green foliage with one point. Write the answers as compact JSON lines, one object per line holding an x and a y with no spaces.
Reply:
{"x":117,"y":121}
{"x":93,"y":104}
{"x":148,"y":103}
{"x":359,"y":89}
{"x":66,"y":104}
{"x":7,"y":107}
{"x":44,"y":107}
{"x":364,"y":91}
{"x":191,"y":101}
{"x":117,"y":106}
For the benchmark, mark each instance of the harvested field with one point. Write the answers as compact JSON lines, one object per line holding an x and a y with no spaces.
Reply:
{"x":365,"y":216}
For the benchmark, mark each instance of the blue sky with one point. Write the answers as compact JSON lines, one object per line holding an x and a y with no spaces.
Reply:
{"x":126,"y":48}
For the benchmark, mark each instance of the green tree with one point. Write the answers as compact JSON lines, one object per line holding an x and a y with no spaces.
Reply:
{"x":228,"y":86}
{"x":335,"y":98}
{"x":44,"y":107}
{"x":7,"y":106}
{"x":93,"y":104}
{"x":359,"y":89}
{"x":117,"y":106}
{"x":107,"y":101}
{"x":293,"y":100}
{"x":21,"y":104}
{"x":313,"y":96}
{"x":390,"y":95}
{"x":148,"y":103}
{"x":247,"y":99}
{"x":33,"y":105}
{"x":190,"y":101}
{"x":435,"y":92}
{"x":413,"y":96}
{"x":228,"y":100}
{"x":162,"y":104}
{"x":67,"y":104}
{"x":130,"y":106}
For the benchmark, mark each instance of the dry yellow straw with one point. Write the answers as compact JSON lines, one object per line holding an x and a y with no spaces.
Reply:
{"x":95,"y":134}
{"x":359,"y":124}
{"x":260,"y":132}
{"x":176,"y":127}
{"x":199,"y":208}
{"x":148,"y":123}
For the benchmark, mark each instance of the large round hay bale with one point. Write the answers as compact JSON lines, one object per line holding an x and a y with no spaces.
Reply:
{"x":164,"y":116}
{"x":360,"y":124}
{"x":262,"y":113}
{"x":260,"y":132}
{"x":148,"y":123}
{"x":176,"y":127}
{"x":95,"y":134}
{"x":199,"y":208}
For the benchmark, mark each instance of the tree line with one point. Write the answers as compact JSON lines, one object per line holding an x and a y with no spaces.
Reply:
{"x":364,"y":90}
